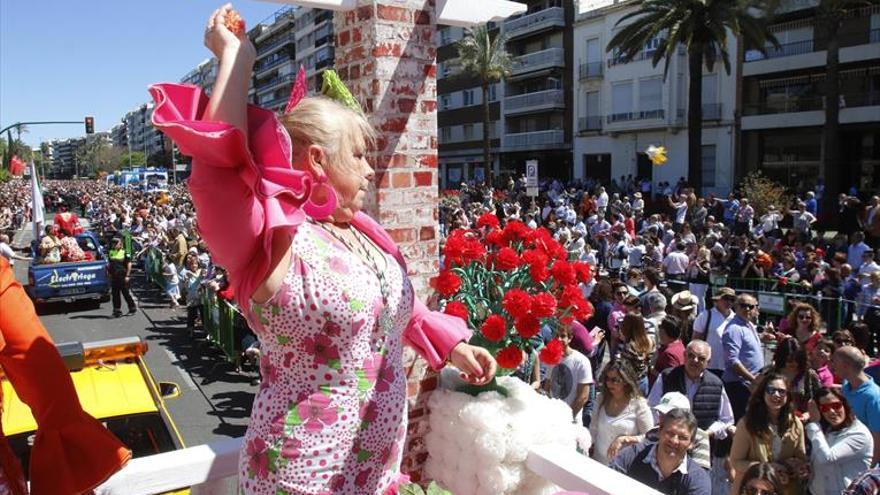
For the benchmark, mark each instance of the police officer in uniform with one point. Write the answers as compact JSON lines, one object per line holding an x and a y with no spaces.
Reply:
{"x":120,"y":272}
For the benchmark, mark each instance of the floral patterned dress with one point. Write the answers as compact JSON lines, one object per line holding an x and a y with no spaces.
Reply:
{"x":329,"y":417}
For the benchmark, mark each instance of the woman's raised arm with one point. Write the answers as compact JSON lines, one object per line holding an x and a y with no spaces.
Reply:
{"x":236,"y":54}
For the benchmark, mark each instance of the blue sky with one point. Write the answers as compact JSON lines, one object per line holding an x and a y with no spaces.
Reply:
{"x":63,"y":59}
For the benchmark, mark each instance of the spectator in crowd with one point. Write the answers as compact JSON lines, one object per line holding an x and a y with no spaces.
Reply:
{"x":670,"y":354}
{"x":636,"y":349}
{"x":699,"y":450}
{"x":743,"y":353}
{"x":860,"y":391}
{"x":621,"y":415}
{"x":770,"y":432}
{"x":842,"y":447}
{"x":571,"y":379}
{"x":7,"y":252}
{"x":790,"y":361}
{"x":191,"y":277}
{"x":867,"y":483}
{"x":820,"y":359}
{"x":172,"y":281}
{"x":804,"y":324}
{"x":119,"y":268}
{"x":666,"y":465}
{"x":710,"y":325}
{"x":760,"y":479}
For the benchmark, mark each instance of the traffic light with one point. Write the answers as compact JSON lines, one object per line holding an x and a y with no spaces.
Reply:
{"x":90,"y":125}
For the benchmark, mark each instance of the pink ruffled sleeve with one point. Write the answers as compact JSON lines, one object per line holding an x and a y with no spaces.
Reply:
{"x":242,"y":194}
{"x":432,"y":334}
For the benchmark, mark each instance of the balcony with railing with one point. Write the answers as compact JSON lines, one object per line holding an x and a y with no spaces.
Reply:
{"x":544,"y":59}
{"x":640,"y":115}
{"x":589,"y":70}
{"x":845,"y":40}
{"x":536,"y":138}
{"x":533,"y":23}
{"x":535,"y":102}
{"x":619,"y":59}
{"x":272,"y":63}
{"x":855,"y":108}
{"x":273,"y":102}
{"x":274,"y":81}
{"x":783,"y":50}
{"x":281,"y":40}
{"x":590,"y":124}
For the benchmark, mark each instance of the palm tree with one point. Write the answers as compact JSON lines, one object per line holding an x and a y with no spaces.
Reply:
{"x":830,"y":16}
{"x":484,"y":56}
{"x":701,"y":27}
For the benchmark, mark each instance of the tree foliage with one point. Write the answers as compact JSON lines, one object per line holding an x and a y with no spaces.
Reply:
{"x":763,"y":192}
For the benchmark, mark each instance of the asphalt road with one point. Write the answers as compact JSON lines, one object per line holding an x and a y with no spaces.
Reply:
{"x":215,"y":400}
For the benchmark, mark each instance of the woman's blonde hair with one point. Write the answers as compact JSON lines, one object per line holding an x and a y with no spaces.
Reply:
{"x":324,"y":122}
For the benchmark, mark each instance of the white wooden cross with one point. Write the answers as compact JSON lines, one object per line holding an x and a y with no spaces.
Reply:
{"x":462,"y":13}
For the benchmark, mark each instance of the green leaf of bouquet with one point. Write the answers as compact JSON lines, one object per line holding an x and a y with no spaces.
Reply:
{"x":411,"y":489}
{"x":434,"y":489}
{"x":364,"y":455}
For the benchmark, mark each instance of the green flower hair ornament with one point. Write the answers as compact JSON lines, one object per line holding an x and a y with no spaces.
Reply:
{"x":332,"y":87}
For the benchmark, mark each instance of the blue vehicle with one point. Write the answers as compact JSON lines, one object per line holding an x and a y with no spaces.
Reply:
{"x":71,"y":281}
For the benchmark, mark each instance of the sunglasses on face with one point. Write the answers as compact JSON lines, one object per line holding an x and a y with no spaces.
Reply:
{"x":748,"y":306}
{"x":753,"y":490}
{"x":623,"y":293}
{"x":613,"y":379}
{"x":776,"y":392}
{"x":831,"y":406}
{"x":805,"y":316}
{"x":843,"y":341}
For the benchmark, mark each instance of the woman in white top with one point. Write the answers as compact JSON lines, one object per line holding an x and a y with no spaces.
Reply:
{"x":842,"y":445}
{"x":621,"y":416}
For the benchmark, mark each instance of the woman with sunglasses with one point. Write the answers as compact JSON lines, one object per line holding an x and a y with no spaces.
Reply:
{"x":790,"y":360}
{"x":770,"y":432}
{"x":842,"y":445}
{"x":760,"y":479}
{"x":804,"y":324}
{"x":621,"y":416}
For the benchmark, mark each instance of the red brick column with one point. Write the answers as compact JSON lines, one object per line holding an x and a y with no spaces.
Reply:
{"x":385,"y":52}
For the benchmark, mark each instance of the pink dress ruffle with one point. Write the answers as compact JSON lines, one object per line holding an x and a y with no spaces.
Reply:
{"x":248,"y":187}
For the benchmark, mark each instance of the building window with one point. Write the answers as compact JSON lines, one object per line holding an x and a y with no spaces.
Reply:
{"x":445,"y":134}
{"x":621,"y":98}
{"x":592,"y":108}
{"x":445,"y":37}
{"x":650,"y":94}
{"x":468,"y":97}
{"x":468,"y":131}
{"x":493,"y":92}
{"x":708,"y":154}
{"x":444,"y":102}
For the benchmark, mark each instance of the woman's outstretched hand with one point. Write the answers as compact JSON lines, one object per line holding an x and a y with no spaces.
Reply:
{"x":477,"y":366}
{"x":223,"y":42}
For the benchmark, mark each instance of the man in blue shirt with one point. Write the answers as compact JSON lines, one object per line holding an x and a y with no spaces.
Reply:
{"x":860,"y":391}
{"x":666,"y":465}
{"x":743,"y":353}
{"x":811,"y":203}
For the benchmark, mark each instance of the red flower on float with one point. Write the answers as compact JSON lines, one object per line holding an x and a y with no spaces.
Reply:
{"x":456,"y":308}
{"x":515,"y":231}
{"x":543,"y":305}
{"x":495,"y":238}
{"x":527,"y":326}
{"x":510,"y":357}
{"x":563,"y":273}
{"x":473,"y":251}
{"x":572,"y":300}
{"x":507,"y":259}
{"x":487,"y":220}
{"x":453,"y":250}
{"x":552,"y":353}
{"x":494,"y":328}
{"x":516,"y":302}
{"x":447,"y":283}
{"x":583,"y":272}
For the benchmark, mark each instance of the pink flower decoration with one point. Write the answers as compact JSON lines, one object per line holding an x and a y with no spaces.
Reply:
{"x":276,"y":428}
{"x":362,"y":477}
{"x":332,"y":328}
{"x":290,"y":448}
{"x":337,"y":482}
{"x":322,"y":348}
{"x":316,"y":412}
{"x":372,"y":365}
{"x":258,"y":459}
{"x":386,"y":378}
{"x":338,"y":265}
{"x":268,"y":371}
{"x":369,"y":412}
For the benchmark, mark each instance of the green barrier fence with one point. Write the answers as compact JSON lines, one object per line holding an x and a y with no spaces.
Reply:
{"x":777,"y":299}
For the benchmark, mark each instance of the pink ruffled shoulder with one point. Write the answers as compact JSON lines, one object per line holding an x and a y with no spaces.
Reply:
{"x":243,"y":189}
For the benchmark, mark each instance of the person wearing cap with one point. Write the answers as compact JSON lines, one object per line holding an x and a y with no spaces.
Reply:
{"x":638,"y":204}
{"x":699,"y":450}
{"x":119,"y":268}
{"x":666,"y":465}
{"x":710,"y":324}
{"x":684,"y":307}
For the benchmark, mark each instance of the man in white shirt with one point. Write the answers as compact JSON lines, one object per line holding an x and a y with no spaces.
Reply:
{"x":7,"y":252}
{"x":570,"y":380}
{"x":602,"y":201}
{"x":856,"y":248}
{"x":675,"y":264}
{"x":868,"y":267}
{"x":709,"y":326}
{"x":681,"y":208}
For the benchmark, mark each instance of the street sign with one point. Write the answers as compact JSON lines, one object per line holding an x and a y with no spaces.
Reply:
{"x":532,"y":173}
{"x":532,"y":192}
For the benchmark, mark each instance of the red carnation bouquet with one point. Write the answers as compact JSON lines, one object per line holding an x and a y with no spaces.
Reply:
{"x":507,"y":283}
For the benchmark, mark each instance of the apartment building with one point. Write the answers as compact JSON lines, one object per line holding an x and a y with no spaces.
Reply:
{"x":783,"y":101}
{"x":530,"y":111}
{"x":119,"y":135}
{"x":622,"y":107}
{"x":64,"y":156}
{"x":203,"y":75}
{"x":141,"y":134}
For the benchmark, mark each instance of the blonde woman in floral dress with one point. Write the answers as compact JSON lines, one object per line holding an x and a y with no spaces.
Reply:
{"x":324,"y":287}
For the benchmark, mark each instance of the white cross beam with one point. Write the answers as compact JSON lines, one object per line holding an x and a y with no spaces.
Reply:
{"x":462,"y":13}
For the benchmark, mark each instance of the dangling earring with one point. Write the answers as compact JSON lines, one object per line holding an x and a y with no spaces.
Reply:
{"x":319,"y":186}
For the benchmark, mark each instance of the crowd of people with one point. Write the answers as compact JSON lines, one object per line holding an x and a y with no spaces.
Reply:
{"x":698,"y":390}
